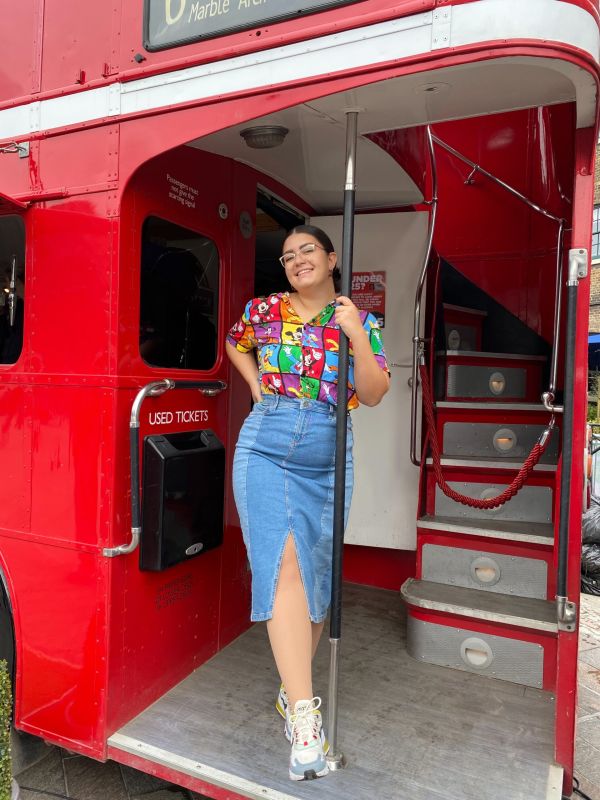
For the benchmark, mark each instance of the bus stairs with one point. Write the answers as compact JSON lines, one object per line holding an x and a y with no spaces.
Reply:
{"x":410,"y":727}
{"x":483,"y":597}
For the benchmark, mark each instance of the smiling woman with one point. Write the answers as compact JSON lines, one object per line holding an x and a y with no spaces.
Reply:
{"x":284,"y":463}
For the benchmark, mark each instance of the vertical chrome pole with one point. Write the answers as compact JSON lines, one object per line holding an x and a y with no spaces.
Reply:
{"x":418,"y":343}
{"x":335,"y":758}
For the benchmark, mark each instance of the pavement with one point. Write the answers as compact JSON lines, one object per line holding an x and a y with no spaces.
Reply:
{"x":61,"y":774}
{"x":587,"y":745}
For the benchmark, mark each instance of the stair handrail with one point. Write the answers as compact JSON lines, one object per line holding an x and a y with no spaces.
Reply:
{"x":549,"y":396}
{"x":418,"y":342}
{"x":515,"y":486}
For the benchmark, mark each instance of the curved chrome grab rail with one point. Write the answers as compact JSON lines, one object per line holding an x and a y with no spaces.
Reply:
{"x":549,"y":396}
{"x":418,"y":343}
{"x":153,"y":389}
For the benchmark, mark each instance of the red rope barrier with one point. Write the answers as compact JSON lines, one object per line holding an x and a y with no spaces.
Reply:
{"x":474,"y":502}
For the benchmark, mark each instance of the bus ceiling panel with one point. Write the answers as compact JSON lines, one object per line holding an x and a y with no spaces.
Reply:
{"x":307,"y":162}
{"x":467,"y":90}
{"x":310,"y":161}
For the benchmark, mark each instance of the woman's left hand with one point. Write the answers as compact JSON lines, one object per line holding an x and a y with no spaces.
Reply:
{"x":348,"y":317}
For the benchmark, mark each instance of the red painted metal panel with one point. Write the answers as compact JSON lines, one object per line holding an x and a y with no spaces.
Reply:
{"x":266,"y":36}
{"x":566,"y":696}
{"x":70,"y":301}
{"x":72,"y":444}
{"x":82,"y":162}
{"x":59,"y":613}
{"x":162,"y":626}
{"x":77,"y":42}
{"x":15,"y":456}
{"x":378,"y":566}
{"x":19,"y":45}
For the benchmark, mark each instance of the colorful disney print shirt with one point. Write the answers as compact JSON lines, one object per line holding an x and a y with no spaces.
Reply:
{"x":296,"y":359}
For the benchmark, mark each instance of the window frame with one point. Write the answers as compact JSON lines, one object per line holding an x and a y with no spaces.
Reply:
{"x":158,"y":214}
{"x":595,"y":245}
{"x":7,"y":365}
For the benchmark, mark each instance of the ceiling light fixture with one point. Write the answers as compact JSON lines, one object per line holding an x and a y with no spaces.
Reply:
{"x":264,"y":137}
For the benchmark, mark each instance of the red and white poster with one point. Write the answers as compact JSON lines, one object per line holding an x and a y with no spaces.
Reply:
{"x":368,"y":293}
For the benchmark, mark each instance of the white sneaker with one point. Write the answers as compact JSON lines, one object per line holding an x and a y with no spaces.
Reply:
{"x":307,"y":759}
{"x":282,"y":706}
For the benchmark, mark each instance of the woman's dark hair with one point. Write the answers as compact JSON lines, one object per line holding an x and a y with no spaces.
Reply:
{"x":326,"y":244}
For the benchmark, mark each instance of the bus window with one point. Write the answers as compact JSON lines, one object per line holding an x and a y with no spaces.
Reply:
{"x":178,"y":297}
{"x":12,"y":287}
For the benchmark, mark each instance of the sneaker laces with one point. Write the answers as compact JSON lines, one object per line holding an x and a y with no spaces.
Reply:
{"x":305,"y":723}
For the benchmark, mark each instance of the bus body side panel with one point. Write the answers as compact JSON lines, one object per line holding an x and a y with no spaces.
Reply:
{"x":165,"y":624}
{"x":60,"y":629}
{"x":566,"y":694}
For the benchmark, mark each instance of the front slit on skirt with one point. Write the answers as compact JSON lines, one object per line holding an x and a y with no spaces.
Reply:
{"x":283,"y":483}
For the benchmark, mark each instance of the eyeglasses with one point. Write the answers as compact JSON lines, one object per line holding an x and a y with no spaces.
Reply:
{"x":287,"y":259}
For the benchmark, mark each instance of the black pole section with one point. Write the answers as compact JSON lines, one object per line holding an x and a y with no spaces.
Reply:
{"x":335,"y":758}
{"x":339,"y":498}
{"x":567,"y":443}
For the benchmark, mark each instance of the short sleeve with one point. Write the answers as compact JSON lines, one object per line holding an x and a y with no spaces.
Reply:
{"x":373,"y":330}
{"x":242,"y":335}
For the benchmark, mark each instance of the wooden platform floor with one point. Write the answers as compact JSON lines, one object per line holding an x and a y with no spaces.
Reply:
{"x":410,"y":731}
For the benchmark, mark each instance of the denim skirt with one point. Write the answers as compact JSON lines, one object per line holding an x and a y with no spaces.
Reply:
{"x":283,"y":483}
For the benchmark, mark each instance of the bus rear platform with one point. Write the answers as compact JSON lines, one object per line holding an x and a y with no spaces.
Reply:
{"x":409,"y":730}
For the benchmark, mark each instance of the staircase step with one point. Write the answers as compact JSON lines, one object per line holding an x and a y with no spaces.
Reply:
{"x":530,"y":532}
{"x":526,"y":660}
{"x":476,"y":462}
{"x":534,"y":502}
{"x":477,"y":375}
{"x":511,"y":573}
{"x":465,"y":405}
{"x":473,"y":313}
{"x":498,"y":437}
{"x":463,"y":327}
{"x":523,"y":612}
{"x":485,"y":356}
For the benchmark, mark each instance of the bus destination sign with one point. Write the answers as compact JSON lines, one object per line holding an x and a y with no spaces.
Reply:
{"x":169,"y":23}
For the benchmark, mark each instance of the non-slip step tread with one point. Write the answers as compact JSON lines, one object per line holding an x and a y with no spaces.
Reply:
{"x":474,"y":462}
{"x":511,"y":405}
{"x":538,"y":532}
{"x":494,"y":356}
{"x":476,"y":312}
{"x":523,"y":612}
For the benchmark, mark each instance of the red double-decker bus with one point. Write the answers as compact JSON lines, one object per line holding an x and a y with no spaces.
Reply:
{"x":152,"y":156}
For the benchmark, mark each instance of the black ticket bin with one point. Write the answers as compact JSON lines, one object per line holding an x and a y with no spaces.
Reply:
{"x":182,"y":499}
